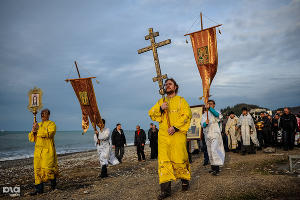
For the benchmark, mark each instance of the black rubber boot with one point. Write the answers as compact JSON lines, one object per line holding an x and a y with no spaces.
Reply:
{"x":212,"y":169}
{"x":53,"y":184}
{"x":216,"y":170}
{"x":184,"y":185}
{"x":165,"y":190}
{"x":39,"y":189}
{"x":103,"y":172}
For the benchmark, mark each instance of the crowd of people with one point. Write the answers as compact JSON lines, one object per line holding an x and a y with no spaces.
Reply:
{"x":246,"y":134}
{"x":169,"y":144}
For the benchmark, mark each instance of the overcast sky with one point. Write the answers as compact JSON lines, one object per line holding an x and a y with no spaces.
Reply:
{"x":259,"y":55}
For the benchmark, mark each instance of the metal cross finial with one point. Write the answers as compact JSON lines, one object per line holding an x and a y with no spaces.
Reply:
{"x":154,"y":47}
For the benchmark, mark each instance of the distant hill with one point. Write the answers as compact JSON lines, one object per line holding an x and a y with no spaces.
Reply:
{"x":237,"y":109}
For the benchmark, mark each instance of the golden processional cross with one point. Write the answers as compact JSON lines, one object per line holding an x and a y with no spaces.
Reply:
{"x":154,"y":47}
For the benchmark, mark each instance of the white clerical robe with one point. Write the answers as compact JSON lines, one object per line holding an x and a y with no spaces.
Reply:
{"x":230,"y":130}
{"x":213,"y":137}
{"x":247,"y":125}
{"x":106,"y":155}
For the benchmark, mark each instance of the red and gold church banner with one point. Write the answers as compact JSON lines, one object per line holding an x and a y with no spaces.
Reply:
{"x":204,"y":44}
{"x":84,"y":90}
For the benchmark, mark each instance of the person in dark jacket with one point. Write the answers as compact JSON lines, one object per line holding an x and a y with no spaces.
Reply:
{"x":267,"y":131}
{"x":153,"y":138}
{"x":204,"y":150}
{"x":118,"y":140}
{"x":288,"y":124}
{"x":259,"y":124}
{"x":149,"y":131}
{"x":139,"y":142}
{"x":275,"y":129}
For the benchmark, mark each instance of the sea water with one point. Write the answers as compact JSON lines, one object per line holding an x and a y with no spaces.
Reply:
{"x":15,"y":144}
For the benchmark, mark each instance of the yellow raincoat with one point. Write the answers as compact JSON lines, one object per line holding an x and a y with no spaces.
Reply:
{"x":173,"y":160}
{"x":45,"y":159}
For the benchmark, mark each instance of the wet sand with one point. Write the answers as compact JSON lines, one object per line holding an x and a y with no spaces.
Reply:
{"x":258,"y":176}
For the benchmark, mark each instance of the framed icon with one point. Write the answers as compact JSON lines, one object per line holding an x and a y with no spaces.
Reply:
{"x":195,"y":130}
{"x":35,"y":99}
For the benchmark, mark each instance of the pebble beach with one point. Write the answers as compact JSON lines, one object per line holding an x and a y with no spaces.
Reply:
{"x":258,"y":176}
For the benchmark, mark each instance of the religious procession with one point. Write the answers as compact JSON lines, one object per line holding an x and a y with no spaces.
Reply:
{"x":189,"y":151}
{"x":169,"y":143}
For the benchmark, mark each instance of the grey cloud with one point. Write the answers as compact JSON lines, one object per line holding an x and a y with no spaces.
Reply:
{"x":40,"y":42}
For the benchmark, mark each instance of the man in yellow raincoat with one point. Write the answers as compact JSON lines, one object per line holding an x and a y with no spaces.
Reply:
{"x":45,"y":159}
{"x":173,"y":160}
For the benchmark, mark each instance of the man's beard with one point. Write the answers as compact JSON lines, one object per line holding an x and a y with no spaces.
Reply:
{"x":170,"y":92}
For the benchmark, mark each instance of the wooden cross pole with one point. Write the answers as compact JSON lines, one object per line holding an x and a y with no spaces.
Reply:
{"x":159,"y":78}
{"x":154,"y":47}
{"x":77,"y":68}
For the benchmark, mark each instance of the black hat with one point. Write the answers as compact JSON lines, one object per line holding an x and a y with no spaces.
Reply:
{"x":244,"y":108}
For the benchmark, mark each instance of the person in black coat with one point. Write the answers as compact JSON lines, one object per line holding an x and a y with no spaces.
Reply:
{"x":153,"y":138}
{"x":288,"y":124}
{"x":204,"y":150}
{"x":275,"y":129}
{"x":149,"y":131}
{"x":267,"y":131}
{"x":118,"y":140}
{"x":139,"y":142}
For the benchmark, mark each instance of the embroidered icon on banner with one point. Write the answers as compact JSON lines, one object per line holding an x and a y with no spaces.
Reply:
{"x":203,"y":55}
{"x":84,"y":98}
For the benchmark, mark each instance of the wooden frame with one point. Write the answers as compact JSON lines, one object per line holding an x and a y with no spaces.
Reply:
{"x":35,"y":100}
{"x":195,"y":131}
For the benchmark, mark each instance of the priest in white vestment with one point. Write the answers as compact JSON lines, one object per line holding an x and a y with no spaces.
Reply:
{"x":248,"y":132}
{"x":231,"y":132}
{"x":213,"y":137}
{"x":106,"y":155}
